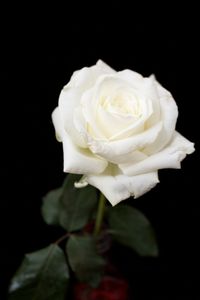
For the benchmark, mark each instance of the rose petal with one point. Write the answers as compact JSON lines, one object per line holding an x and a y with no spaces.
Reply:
{"x":71,"y":95}
{"x":58,"y":124}
{"x":86,"y":77}
{"x":111,"y":124}
{"x":76,"y":159}
{"x":168,"y":114}
{"x":114,"y":149}
{"x":132,"y":77}
{"x":80,"y":161}
{"x":146,"y":88}
{"x":117,"y":186}
{"x":151,"y":93}
{"x":131,"y":158}
{"x":169,"y":157}
{"x":69,"y":100}
{"x":88,"y":108}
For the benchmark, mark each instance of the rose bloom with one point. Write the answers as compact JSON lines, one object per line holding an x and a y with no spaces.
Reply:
{"x":118,"y":130}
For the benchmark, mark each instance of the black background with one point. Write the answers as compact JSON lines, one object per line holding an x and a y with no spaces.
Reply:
{"x":40,"y":50}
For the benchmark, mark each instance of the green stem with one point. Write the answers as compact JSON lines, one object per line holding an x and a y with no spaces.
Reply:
{"x":62,"y":238}
{"x":100,"y":214}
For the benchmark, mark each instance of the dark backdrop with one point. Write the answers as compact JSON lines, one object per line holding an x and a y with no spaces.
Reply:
{"x":41,"y":49}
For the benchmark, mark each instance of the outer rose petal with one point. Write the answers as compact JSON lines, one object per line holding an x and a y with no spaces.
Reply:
{"x":169,"y":157}
{"x":117,"y":186}
{"x":169,"y":114}
{"x":69,"y":100}
{"x":58,"y":124}
{"x":86,"y":77}
{"x":76,"y":160}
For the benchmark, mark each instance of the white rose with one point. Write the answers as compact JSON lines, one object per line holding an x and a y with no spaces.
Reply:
{"x":118,"y":130}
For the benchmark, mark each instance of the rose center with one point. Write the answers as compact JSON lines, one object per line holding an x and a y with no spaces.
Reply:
{"x":122,"y":104}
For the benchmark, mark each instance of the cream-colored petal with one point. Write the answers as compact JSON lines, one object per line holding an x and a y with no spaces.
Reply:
{"x":146,"y":88}
{"x":86,"y":77}
{"x":80,"y":161}
{"x":69,"y":100}
{"x":131,"y":158}
{"x":111,"y":124}
{"x":112,"y":149}
{"x":105,"y":68}
{"x":131,"y":77}
{"x":168,"y":115}
{"x":76,"y":160}
{"x":150,"y":92}
{"x":169,"y":157}
{"x":117,"y":186}
{"x":58,"y":124}
{"x":89,"y":108}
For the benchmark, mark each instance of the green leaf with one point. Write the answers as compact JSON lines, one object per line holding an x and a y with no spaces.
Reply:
{"x":84,"y":259}
{"x":43,"y":275}
{"x":51,"y":206}
{"x":76,"y":205}
{"x":131,"y":228}
{"x":69,"y":207}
